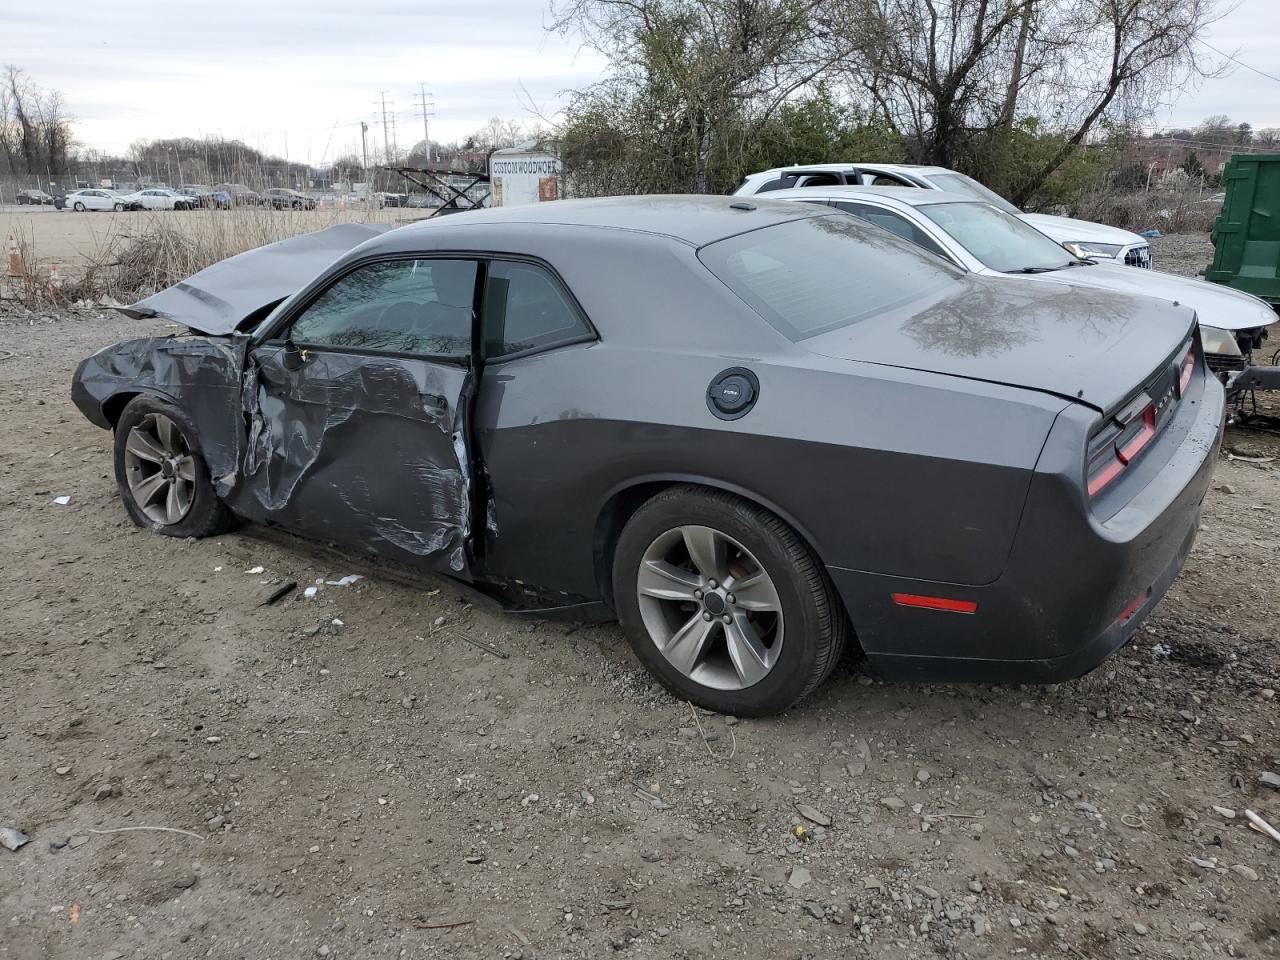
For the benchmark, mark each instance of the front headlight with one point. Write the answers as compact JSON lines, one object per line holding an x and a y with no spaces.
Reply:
{"x":1084,"y":249}
{"x":1221,"y":343}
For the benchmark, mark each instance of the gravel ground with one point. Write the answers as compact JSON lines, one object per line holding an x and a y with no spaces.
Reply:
{"x":353,"y":768}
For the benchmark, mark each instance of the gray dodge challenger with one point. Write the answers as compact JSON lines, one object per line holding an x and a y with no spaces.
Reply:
{"x":753,"y":431}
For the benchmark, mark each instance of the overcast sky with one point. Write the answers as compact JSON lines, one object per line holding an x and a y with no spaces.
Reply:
{"x":302,"y":75}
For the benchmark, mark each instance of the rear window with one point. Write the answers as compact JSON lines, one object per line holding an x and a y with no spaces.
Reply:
{"x":807,"y":277}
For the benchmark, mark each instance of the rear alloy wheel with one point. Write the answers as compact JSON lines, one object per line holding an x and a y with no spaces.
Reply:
{"x":163,"y":480}
{"x":78,"y":207}
{"x":118,"y":207}
{"x":724,"y":603}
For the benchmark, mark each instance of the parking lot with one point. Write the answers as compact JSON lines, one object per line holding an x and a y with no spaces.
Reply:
{"x":72,"y":238}
{"x":388,"y":770}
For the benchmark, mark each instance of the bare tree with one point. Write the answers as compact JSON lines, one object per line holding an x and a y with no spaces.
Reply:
{"x":953,"y":75}
{"x":35,"y":133}
{"x":691,"y":71}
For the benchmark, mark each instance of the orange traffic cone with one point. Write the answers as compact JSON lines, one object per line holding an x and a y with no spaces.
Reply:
{"x":342,"y":203}
{"x":55,"y":281}
{"x":320,"y":205}
{"x":15,"y":258}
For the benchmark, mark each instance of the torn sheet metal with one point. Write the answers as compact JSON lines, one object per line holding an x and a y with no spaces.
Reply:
{"x":358,"y":450}
{"x":200,"y":375}
{"x":219,"y":298}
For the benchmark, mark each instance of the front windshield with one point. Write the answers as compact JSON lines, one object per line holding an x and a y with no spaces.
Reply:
{"x":1000,"y":241}
{"x":969,"y":187}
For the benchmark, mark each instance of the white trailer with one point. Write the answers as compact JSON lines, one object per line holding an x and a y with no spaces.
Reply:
{"x":528,"y":173}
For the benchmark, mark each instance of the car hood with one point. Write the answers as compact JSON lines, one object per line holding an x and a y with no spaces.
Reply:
{"x":1070,"y":230}
{"x":218,"y":299}
{"x":1215,"y":306}
{"x":1081,"y":344}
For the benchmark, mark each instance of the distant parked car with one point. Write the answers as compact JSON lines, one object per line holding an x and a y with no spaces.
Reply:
{"x":157,"y":199}
{"x":241,"y":196}
{"x":201,"y":193}
{"x":1091,"y":241}
{"x":82,"y":200}
{"x":283,"y":199}
{"x":34,"y":197}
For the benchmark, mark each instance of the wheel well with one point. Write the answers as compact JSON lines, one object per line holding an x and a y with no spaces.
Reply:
{"x":114,"y":405}
{"x":613,"y":517}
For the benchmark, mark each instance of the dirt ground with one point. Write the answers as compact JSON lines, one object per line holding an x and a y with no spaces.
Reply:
{"x":352,"y":767}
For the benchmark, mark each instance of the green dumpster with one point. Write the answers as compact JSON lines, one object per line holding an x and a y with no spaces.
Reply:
{"x":1246,"y":245}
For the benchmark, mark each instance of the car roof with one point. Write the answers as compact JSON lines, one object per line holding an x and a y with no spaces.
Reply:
{"x":911,"y":196}
{"x":844,"y":165}
{"x":696,"y":220}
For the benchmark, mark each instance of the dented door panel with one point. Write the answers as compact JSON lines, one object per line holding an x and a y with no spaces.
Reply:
{"x":360,"y":450}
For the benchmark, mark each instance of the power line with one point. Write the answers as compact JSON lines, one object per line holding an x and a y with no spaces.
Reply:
{"x":1239,"y":62}
{"x":425,"y":105}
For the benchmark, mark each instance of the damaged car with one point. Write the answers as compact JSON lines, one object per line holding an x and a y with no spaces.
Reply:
{"x":754,"y":432}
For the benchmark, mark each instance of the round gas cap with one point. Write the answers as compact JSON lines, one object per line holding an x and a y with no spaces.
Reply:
{"x":733,"y":393}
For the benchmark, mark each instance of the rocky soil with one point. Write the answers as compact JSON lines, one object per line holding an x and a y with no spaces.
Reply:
{"x":388,"y":771}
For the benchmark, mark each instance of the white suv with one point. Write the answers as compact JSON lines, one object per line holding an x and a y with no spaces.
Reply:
{"x":1086,"y":240}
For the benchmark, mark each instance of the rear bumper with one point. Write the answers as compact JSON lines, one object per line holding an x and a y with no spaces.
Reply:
{"x":1076,"y":587}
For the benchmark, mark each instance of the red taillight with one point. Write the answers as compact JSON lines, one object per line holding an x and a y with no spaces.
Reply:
{"x":1131,"y":444}
{"x":1184,"y":376}
{"x":1119,"y":448}
{"x":935,"y":603}
{"x":1109,"y":471}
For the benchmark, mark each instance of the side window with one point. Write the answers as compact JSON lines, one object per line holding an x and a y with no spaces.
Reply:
{"x":894,"y":223}
{"x":884,"y":180}
{"x":524,"y":308}
{"x":821,"y":179}
{"x":400,"y":306}
{"x":782,"y":183}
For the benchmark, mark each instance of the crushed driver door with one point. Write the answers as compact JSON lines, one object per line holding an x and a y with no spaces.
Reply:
{"x":358,"y":408}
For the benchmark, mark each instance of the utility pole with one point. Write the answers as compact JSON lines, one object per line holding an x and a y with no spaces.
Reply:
{"x":364,"y":149}
{"x":425,"y":105}
{"x":386,"y":130}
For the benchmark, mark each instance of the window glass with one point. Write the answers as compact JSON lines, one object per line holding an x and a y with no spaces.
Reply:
{"x":805,"y":277}
{"x":1001,"y":241}
{"x":893,"y":222}
{"x":400,"y":306}
{"x":524,"y":308}
{"x":782,"y":183}
{"x":969,"y":187}
{"x":884,"y":180}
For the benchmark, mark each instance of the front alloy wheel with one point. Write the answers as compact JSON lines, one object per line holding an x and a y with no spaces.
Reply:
{"x":159,"y":469}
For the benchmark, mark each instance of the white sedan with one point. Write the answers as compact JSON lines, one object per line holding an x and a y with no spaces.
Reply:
{"x":1094,"y":241}
{"x":156,"y":198}
{"x":979,"y":238}
{"x":95,"y":199}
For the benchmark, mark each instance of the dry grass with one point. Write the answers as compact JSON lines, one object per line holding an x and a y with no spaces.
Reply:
{"x":136,"y":258}
{"x":1168,"y":212}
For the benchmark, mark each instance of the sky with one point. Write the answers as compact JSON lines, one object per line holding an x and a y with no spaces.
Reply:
{"x":296,"y":78}
{"x":291,"y":77}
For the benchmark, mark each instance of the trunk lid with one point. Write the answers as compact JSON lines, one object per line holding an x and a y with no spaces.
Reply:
{"x":1091,"y":346}
{"x":221,"y":297}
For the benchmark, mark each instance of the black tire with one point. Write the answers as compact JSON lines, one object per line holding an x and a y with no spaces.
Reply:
{"x":207,"y":514}
{"x":78,"y":207}
{"x":815,"y":626}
